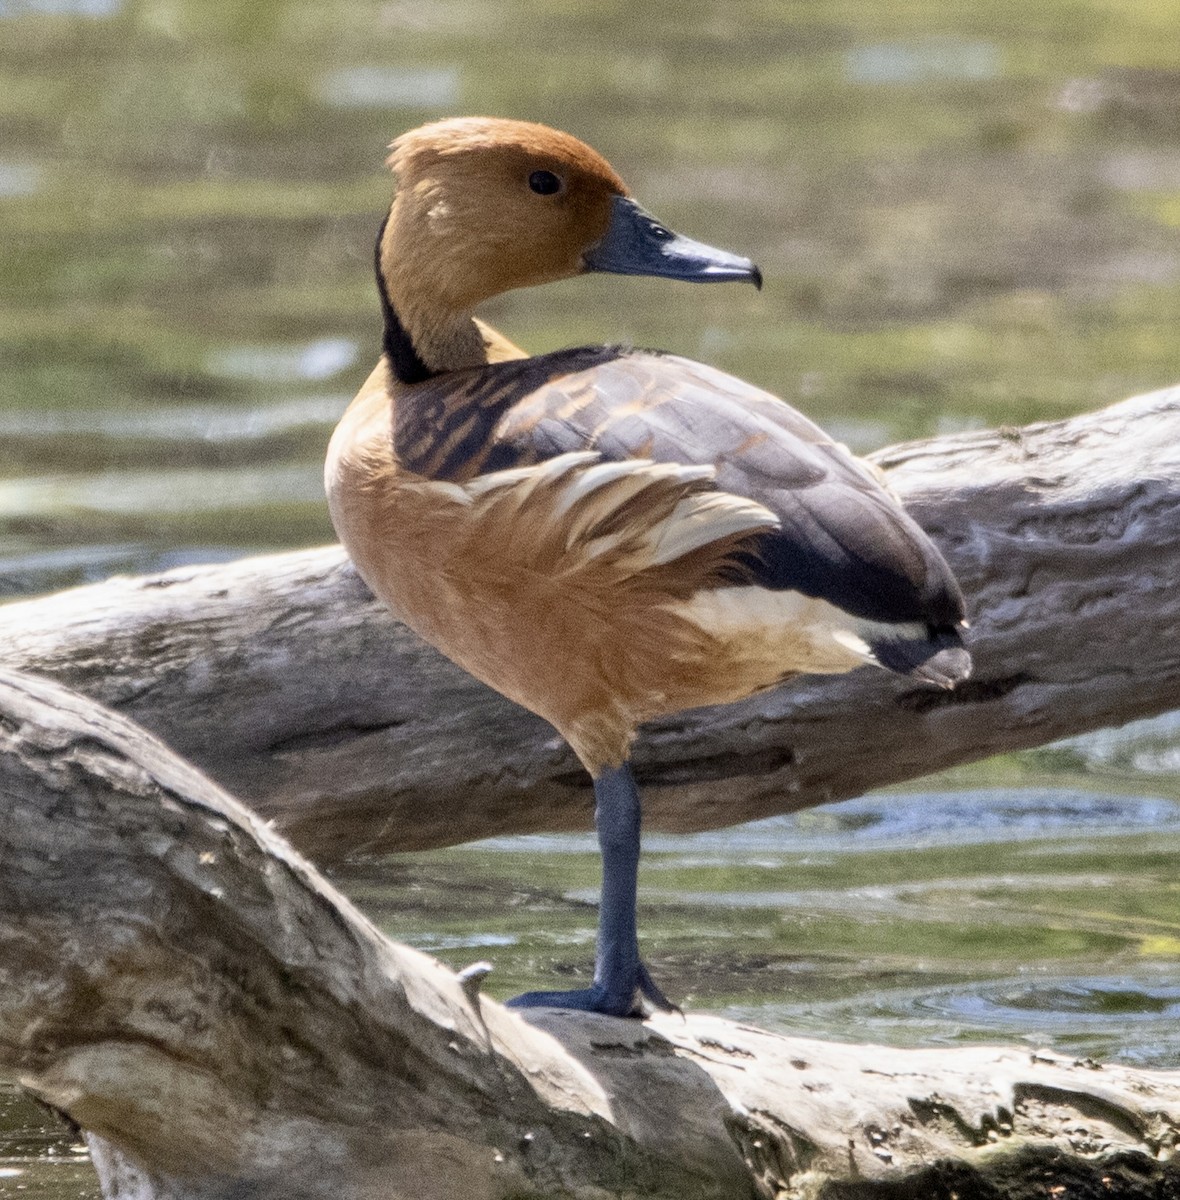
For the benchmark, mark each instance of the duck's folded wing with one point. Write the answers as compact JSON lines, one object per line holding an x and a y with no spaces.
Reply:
{"x":842,"y":536}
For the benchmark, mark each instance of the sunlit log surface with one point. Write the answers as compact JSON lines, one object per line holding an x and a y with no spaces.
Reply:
{"x":284,"y":680}
{"x":223,"y":1024}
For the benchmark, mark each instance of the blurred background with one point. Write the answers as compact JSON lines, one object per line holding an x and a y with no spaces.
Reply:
{"x":967,"y":214}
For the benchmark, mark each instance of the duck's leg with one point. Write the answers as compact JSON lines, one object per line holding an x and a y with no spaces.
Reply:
{"x":621,"y":981}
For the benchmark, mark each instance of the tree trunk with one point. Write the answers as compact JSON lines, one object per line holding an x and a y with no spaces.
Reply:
{"x":289,"y":685}
{"x":223,"y":1024}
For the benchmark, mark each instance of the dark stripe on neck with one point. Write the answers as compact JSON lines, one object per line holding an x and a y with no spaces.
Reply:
{"x":404,"y":359}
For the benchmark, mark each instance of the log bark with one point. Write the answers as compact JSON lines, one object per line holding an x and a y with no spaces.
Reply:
{"x":222,"y":1023}
{"x":285,"y":681}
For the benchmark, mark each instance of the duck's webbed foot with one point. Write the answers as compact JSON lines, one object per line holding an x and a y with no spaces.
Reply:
{"x":640,"y":998}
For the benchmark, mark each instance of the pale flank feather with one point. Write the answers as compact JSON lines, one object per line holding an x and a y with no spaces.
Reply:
{"x":625,"y":480}
{"x":526,"y":479}
{"x":706,"y":517}
{"x":676,"y":510}
{"x":764,"y":627}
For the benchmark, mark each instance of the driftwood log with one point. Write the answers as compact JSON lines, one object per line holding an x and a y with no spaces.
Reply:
{"x":284,"y":681}
{"x":223,"y":1024}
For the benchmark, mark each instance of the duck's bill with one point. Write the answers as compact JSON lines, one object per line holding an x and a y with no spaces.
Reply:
{"x":635,"y":243}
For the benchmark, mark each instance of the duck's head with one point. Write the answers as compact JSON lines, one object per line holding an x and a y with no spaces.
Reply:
{"x":485,"y":205}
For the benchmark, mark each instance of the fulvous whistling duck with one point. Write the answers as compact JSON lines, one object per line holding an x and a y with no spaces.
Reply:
{"x":603,"y":534}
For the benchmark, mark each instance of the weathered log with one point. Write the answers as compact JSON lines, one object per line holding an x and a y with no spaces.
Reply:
{"x":284,"y":680}
{"x":222,"y":1023}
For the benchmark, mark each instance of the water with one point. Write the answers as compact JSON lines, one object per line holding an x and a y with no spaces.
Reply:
{"x":965,"y":215}
{"x":39,"y":1157}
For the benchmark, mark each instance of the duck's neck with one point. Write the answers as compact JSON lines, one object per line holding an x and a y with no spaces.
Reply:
{"x":423,"y":339}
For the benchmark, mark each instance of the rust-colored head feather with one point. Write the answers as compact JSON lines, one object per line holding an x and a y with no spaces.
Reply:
{"x":414,"y":151}
{"x":483,"y":206}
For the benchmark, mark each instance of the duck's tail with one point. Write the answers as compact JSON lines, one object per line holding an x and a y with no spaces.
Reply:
{"x":939,"y":657}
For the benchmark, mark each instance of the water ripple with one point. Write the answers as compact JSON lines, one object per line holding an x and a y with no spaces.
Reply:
{"x":882,"y":821}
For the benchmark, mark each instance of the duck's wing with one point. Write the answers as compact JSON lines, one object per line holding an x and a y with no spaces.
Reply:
{"x":842,"y":536}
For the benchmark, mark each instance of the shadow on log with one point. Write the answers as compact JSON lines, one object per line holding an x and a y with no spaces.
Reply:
{"x":291,"y":687}
{"x":223,"y":1024}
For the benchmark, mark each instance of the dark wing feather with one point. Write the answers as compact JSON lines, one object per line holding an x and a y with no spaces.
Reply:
{"x":843,"y":538}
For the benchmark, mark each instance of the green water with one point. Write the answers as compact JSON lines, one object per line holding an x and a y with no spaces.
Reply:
{"x":966,"y":214}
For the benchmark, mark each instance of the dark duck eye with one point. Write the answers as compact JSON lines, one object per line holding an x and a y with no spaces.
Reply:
{"x":545,"y":183}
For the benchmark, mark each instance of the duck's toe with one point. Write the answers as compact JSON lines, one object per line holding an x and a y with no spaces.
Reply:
{"x":637,"y":997}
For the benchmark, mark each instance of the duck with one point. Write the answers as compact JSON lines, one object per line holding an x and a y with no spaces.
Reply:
{"x":604,"y":534}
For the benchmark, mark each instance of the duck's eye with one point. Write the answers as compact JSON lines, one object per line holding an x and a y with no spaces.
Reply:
{"x":545,"y":183}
